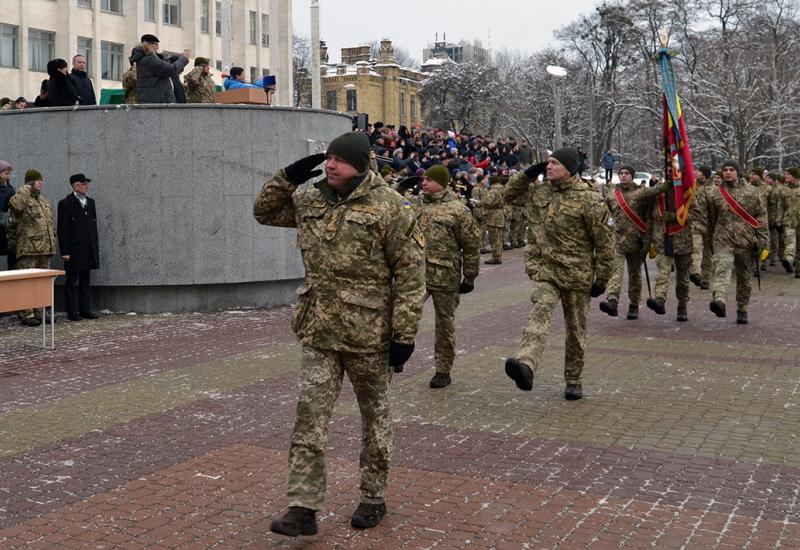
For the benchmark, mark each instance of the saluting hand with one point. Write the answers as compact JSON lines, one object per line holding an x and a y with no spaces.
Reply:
{"x":301,"y":171}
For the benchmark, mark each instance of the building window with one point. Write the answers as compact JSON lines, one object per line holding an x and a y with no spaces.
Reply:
{"x":352,"y":104}
{"x":265,"y":30}
{"x":85,"y":3}
{"x":85,"y":49}
{"x":402,"y":106}
{"x":264,"y":72}
{"x":149,"y":10}
{"x":114,"y":6}
{"x":253,"y":74}
{"x":218,"y":18}
{"x":172,"y":12}
{"x":204,"y":16}
{"x":218,"y":64}
{"x":330,"y":100}
{"x":413,"y":101}
{"x":253,"y":30}
{"x":41,"y":49}
{"x":8,"y":46}
{"x":111,"y":60}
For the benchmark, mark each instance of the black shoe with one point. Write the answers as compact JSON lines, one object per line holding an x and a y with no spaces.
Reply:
{"x":717,"y":307}
{"x":705,"y":286}
{"x":610,"y":307}
{"x":507,"y":246}
{"x":573,"y":392}
{"x":519,"y":244}
{"x":683,"y":315}
{"x":485,"y":251}
{"x":368,"y":515}
{"x":30,"y":322}
{"x":88,"y":315}
{"x":493,"y":262}
{"x":787,"y":265}
{"x":296,"y":521}
{"x":520,"y":373}
{"x":656,"y":305}
{"x":633,"y":312}
{"x":741,"y":317}
{"x":797,"y":275}
{"x":440,"y":380}
{"x":73,"y":317}
{"x":696,"y":279}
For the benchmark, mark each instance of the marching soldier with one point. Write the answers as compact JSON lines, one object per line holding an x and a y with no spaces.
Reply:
{"x":790,"y":219}
{"x":700,"y":271}
{"x":493,"y":205}
{"x":478,"y":194}
{"x":773,"y":206}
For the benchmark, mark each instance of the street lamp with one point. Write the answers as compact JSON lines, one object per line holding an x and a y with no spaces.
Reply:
{"x":558,"y":74}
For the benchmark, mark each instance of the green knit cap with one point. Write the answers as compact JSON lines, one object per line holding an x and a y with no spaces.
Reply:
{"x":32,"y":175}
{"x":353,"y":147}
{"x":439,"y":174}
{"x":758,"y":171}
{"x":200,"y":61}
{"x":794,"y":171}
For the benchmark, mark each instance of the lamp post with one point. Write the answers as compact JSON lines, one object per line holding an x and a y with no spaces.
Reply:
{"x":558,"y":74}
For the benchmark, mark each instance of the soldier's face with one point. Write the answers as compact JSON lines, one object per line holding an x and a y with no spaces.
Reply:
{"x":789,"y":178}
{"x":625,"y":177}
{"x":339,"y":172}
{"x":716,"y":180}
{"x":555,"y":170}
{"x":728,"y":174}
{"x":700,"y":177}
{"x":754,"y":178}
{"x":430,"y":186}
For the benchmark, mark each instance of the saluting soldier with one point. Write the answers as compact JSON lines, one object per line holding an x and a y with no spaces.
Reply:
{"x":357,"y":312}
{"x":199,"y":85}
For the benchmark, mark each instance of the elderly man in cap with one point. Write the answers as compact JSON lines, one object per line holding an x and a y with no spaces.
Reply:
{"x":154,"y":75}
{"x":6,"y":192}
{"x":200,"y":86}
{"x":30,"y":232}
{"x":569,"y":258}
{"x":77,"y":242}
{"x":737,"y":217}
{"x":357,"y":312}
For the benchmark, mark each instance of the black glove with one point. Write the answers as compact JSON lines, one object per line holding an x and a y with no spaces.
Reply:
{"x":465,"y":287}
{"x":302,"y":170}
{"x":536,"y":170}
{"x":399,"y":354}
{"x":772,"y":227}
{"x":410,"y":182}
{"x":597,"y":289}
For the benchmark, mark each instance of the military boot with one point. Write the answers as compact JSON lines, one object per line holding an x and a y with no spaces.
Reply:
{"x":493,"y":261}
{"x":633,"y":312}
{"x":486,"y":250}
{"x":717,"y":307}
{"x":520,"y":244}
{"x":507,"y":246}
{"x":296,"y":521}
{"x":573,"y":392}
{"x":368,"y":515}
{"x":610,"y":307}
{"x":705,"y":285}
{"x":657,"y":305}
{"x":30,"y":322}
{"x":683,"y":314}
{"x":797,"y":275}
{"x":520,"y":373}
{"x":440,"y":380}
{"x":741,"y":317}
{"x":696,"y":279}
{"x":787,"y":265}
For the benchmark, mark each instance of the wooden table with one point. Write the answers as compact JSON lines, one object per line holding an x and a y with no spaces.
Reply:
{"x":28,"y":289}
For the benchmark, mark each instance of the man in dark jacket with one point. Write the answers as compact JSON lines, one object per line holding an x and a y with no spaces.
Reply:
{"x":83,"y":84}
{"x":154,"y":75}
{"x":77,"y":241}
{"x":6,"y":192}
{"x":61,"y":90}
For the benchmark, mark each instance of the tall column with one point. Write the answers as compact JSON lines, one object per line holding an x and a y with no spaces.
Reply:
{"x":280,"y":23}
{"x":226,"y":35}
{"x":316,"y":79}
{"x":23,"y":49}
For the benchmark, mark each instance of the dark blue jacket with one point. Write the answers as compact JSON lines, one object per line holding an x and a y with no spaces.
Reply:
{"x":83,"y":86}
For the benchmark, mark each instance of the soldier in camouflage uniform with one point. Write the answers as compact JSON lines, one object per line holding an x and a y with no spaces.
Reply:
{"x":700,"y":271}
{"x":129,"y":86}
{"x":199,"y":86}
{"x":493,"y":205}
{"x":519,"y":218}
{"x":737,"y":241}
{"x":773,"y":205}
{"x":664,"y":224}
{"x":31,"y":233}
{"x":790,"y":219}
{"x":357,"y":312}
{"x":569,"y":258}
{"x":630,"y":239}
{"x":478,"y":194}
{"x":452,"y":245}
{"x":756,"y":180}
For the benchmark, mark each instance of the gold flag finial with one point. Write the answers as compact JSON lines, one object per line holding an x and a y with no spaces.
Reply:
{"x":663,"y":36}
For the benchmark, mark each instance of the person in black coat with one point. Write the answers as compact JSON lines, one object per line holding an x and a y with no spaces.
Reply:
{"x":83,"y":83}
{"x":6,"y":192}
{"x":61,"y":90}
{"x":78,"y":243}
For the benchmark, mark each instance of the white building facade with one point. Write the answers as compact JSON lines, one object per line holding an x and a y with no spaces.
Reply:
{"x":256,"y":36}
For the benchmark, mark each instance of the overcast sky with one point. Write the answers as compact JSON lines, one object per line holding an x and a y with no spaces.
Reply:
{"x":525,"y":25}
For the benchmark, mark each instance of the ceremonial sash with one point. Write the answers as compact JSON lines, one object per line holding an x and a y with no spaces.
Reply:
{"x":737,"y":208}
{"x":631,"y":215}
{"x":662,"y":207}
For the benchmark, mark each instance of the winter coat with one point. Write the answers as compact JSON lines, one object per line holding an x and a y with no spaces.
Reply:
{"x":608,"y":161}
{"x":32,"y":222}
{"x":83,"y":85}
{"x":730,"y":231}
{"x":233,"y":84}
{"x":77,"y":233}
{"x":154,"y":76}
{"x":6,"y":192}
{"x":61,"y":90}
{"x":199,"y":86}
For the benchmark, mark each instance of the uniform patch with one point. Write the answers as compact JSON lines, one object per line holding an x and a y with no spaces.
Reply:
{"x":420,"y":239}
{"x":406,"y":204}
{"x":365,"y":208}
{"x":411,"y":227}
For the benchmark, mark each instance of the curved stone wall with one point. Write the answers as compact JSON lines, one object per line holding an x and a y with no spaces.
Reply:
{"x":174,"y":186}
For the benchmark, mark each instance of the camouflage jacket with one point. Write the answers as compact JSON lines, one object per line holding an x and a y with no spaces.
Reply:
{"x":640,"y":199}
{"x":790,"y":206}
{"x":681,"y":241}
{"x":452,"y":240}
{"x":571,"y":233}
{"x":129,"y":86}
{"x":30,"y":230}
{"x":199,"y":86}
{"x":364,"y":260}
{"x":774,"y":199}
{"x":493,"y":204}
{"x":478,"y":194}
{"x":698,"y":210}
{"x":730,"y":231}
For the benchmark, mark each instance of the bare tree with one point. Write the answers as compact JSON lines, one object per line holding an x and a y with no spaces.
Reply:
{"x":301,"y":67}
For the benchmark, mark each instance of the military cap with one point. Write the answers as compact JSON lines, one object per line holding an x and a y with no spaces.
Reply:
{"x":75,"y":178}
{"x":149,"y":38}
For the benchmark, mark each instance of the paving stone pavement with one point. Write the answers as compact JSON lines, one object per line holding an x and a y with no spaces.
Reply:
{"x":171,"y":431}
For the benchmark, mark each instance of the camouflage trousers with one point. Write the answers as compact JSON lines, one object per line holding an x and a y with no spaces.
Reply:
{"x":741,"y":263}
{"x":496,"y":242}
{"x":545,"y":296}
{"x":701,"y":255}
{"x":790,"y":245}
{"x":775,"y":244}
{"x":321,"y":375}
{"x":32,"y":262}
{"x":516,"y":232}
{"x":634,"y":261}
{"x":482,"y":231}
{"x":682,"y":264}
{"x":445,"y":303}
